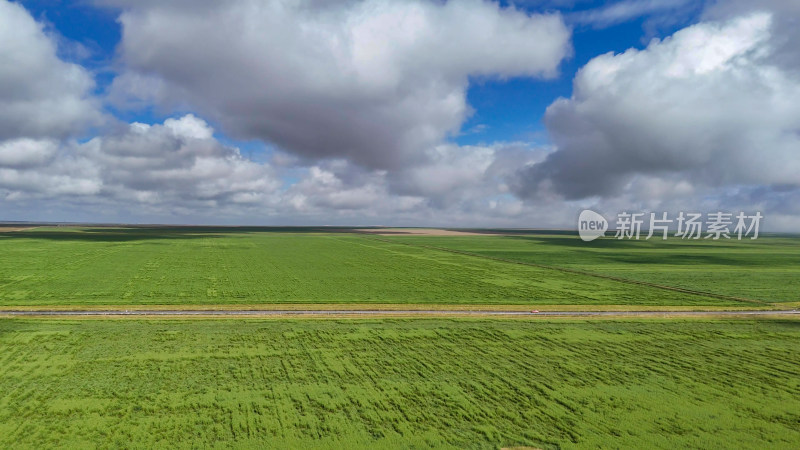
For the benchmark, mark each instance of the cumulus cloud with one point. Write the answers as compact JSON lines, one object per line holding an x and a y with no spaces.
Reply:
{"x":40,"y":95}
{"x":356,"y":100}
{"x":461,"y":184}
{"x":337,"y":188}
{"x":177,"y":168}
{"x":177,"y":164}
{"x":26,"y":152}
{"x":708,"y":107}
{"x":375,"y":82}
{"x":785,"y":25}
{"x":42,"y":101}
{"x":457,"y":174}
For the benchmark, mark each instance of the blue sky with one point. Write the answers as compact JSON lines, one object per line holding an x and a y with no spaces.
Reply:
{"x":397,"y":112}
{"x":513,"y":109}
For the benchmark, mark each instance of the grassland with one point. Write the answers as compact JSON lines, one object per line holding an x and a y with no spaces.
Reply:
{"x":169,"y":266}
{"x":765,"y":269}
{"x":389,"y":383}
{"x":394,"y":382}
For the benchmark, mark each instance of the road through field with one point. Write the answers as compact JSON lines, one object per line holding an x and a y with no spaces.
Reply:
{"x":410,"y":312}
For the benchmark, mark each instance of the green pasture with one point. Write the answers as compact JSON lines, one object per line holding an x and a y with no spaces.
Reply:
{"x":766,"y":269}
{"x":119,"y":266}
{"x":399,"y":383}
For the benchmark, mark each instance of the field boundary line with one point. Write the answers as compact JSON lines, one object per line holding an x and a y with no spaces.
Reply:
{"x":577,"y":272}
{"x":385,"y":313}
{"x":389,"y":307}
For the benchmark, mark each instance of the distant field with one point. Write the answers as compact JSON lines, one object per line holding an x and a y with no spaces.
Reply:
{"x":95,"y":266}
{"x":400,"y":383}
{"x":767,"y":268}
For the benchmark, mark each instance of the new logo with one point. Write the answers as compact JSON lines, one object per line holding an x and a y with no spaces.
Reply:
{"x":591,"y":225}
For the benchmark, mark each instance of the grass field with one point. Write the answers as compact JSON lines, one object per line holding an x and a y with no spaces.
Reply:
{"x":102,"y":266}
{"x":394,"y":382}
{"x":390,"y":383}
{"x":766,"y":269}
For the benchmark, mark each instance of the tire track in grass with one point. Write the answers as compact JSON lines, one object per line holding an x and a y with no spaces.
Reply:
{"x":574,"y":271}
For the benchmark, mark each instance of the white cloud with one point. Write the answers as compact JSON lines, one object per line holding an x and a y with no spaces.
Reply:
{"x":623,"y":11}
{"x":461,"y":185}
{"x":40,"y":95}
{"x":26,"y":152}
{"x":785,"y":29}
{"x":707,"y":106}
{"x":376,"y":82}
{"x":174,"y":166}
{"x":457,"y":175}
{"x":189,"y":126}
{"x":362,"y":96}
{"x":178,"y":162}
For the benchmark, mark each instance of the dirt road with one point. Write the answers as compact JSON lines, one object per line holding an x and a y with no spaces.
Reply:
{"x":376,"y":312}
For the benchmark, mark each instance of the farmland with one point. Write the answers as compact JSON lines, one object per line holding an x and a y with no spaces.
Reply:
{"x":388,"y":383}
{"x":765,"y":269}
{"x":171,"y":266}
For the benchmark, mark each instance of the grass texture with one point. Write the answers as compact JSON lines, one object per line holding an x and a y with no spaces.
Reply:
{"x":399,"y":383}
{"x":766,"y":269}
{"x":173,"y":266}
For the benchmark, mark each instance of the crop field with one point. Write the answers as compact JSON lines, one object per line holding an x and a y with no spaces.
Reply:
{"x":767,"y":268}
{"x":402,"y":382}
{"x":395,"y":382}
{"x":117,"y":266}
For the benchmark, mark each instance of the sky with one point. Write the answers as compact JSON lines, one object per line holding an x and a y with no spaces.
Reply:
{"x":459,"y":113}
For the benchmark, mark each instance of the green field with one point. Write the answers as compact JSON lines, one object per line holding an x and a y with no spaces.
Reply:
{"x":107,"y":266}
{"x":400,"y":383}
{"x":356,"y":383}
{"x":765,"y":269}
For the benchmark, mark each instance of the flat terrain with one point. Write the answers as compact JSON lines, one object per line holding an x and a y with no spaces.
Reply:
{"x":388,"y":383}
{"x":383,"y":231}
{"x":322,"y":344}
{"x":767,"y":268}
{"x":9,"y":228}
{"x":327,"y":312}
{"x":202,"y":266}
